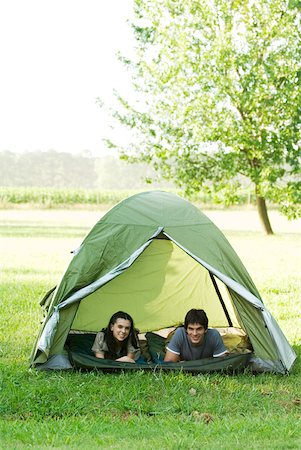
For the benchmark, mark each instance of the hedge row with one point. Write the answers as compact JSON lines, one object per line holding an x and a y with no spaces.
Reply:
{"x":52,"y":197}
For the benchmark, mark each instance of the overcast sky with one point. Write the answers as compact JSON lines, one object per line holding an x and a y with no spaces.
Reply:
{"x":57,"y":57}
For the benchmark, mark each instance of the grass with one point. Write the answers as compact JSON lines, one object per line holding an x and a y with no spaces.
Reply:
{"x":140,"y":410}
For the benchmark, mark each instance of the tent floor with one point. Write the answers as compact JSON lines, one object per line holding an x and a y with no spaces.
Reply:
{"x":81,"y":357}
{"x":228,"y":364}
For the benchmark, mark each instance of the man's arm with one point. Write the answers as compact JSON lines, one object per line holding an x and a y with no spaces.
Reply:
{"x":220,"y":348}
{"x":171,"y":357}
{"x":220,"y":355}
{"x":173,"y":348}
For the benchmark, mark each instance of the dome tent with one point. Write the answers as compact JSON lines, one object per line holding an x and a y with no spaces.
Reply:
{"x":155,"y":255}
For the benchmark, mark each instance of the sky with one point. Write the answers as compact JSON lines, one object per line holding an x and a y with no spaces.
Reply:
{"x":56,"y":58}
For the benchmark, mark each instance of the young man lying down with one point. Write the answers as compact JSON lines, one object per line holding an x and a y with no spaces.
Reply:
{"x":195,"y":340}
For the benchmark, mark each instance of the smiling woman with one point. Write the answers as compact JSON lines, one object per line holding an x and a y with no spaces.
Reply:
{"x":118,"y":340}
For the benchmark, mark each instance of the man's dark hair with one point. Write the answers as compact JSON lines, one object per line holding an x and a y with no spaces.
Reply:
{"x":196,"y":316}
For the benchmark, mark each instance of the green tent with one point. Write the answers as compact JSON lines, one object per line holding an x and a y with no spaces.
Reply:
{"x":155,"y":255}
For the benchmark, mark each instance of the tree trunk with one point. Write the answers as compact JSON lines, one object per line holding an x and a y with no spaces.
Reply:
{"x":263,"y":214}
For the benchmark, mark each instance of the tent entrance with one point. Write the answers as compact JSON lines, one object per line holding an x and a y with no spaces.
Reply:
{"x":158,"y":289}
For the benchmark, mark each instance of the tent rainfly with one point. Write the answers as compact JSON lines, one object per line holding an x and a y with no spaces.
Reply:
{"x":155,"y":256}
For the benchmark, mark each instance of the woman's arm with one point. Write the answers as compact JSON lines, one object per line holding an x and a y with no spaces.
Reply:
{"x":98,"y":347}
{"x":128,"y":358}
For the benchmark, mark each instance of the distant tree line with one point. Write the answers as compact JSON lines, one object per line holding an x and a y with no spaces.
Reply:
{"x":66,"y":170}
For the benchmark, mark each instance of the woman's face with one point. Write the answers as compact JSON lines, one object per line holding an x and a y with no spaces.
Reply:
{"x":121,"y":329}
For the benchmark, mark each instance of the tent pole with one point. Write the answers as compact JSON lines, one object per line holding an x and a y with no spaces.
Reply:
{"x":221,"y":299}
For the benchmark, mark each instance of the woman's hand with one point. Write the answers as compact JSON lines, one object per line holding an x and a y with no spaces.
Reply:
{"x":125,"y":359}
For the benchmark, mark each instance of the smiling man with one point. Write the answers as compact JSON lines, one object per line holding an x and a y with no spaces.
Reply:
{"x":195,"y":340}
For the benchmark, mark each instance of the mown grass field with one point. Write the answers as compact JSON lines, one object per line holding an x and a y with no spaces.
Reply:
{"x":141,"y":410}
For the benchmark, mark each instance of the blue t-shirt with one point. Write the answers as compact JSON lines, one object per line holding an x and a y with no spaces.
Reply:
{"x":181,"y":345}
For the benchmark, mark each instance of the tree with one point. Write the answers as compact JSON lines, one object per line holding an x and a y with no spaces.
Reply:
{"x":8,"y":163}
{"x":117,"y":174}
{"x":47,"y":169}
{"x":219,"y":97}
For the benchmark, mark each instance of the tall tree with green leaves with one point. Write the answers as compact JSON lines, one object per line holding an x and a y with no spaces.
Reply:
{"x":218,"y":101}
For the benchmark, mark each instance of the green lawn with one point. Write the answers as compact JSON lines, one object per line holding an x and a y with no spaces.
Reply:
{"x":140,"y":410}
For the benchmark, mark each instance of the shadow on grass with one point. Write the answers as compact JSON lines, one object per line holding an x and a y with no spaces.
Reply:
{"x":296,"y":369}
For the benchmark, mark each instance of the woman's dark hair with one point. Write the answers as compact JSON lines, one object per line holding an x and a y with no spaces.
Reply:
{"x":196,"y":316}
{"x":109,"y":338}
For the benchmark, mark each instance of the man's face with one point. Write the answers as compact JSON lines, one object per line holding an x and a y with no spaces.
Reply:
{"x":196,"y":333}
